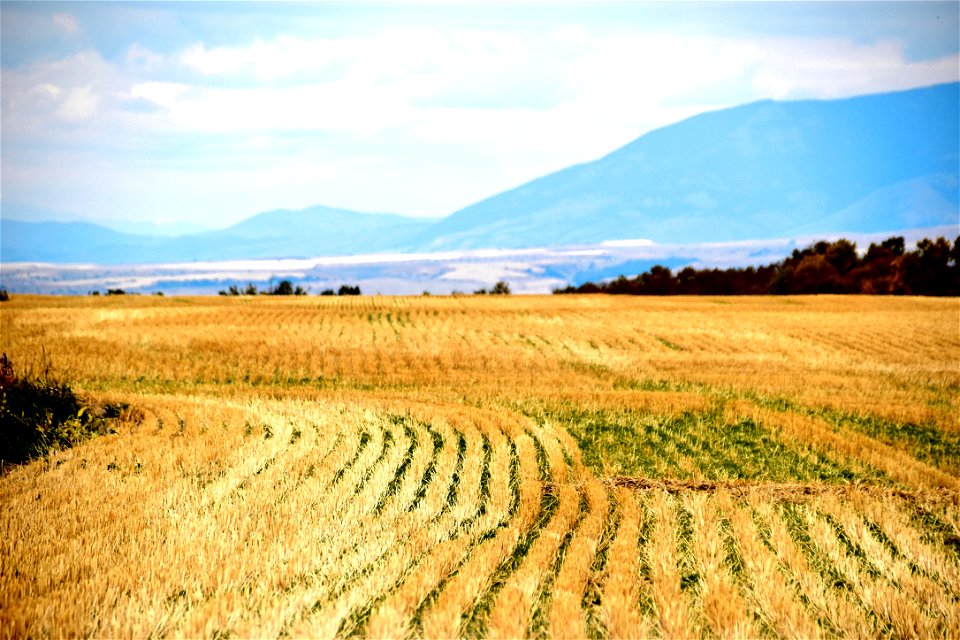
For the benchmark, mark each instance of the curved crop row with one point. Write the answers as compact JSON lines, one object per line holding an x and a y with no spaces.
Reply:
{"x":403,"y":520}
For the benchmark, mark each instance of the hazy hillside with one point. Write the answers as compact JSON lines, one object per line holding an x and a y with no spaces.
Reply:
{"x":274,"y":234}
{"x":335,"y":231}
{"x":769,"y":169}
{"x":70,"y":242}
{"x":872,"y":164}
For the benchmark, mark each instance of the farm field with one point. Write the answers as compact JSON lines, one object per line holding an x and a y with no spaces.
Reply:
{"x":492,"y":466}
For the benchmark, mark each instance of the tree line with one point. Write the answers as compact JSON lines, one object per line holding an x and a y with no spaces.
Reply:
{"x":887,"y":268}
{"x":286,"y":288}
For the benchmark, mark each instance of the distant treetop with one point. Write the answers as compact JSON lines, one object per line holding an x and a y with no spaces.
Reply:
{"x":932,"y":269}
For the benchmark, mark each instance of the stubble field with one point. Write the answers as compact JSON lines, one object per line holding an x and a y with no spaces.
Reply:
{"x":499,"y":467}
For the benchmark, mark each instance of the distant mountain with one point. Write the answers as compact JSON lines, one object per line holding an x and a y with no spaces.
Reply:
{"x":70,"y":242}
{"x":170,"y":229}
{"x":20,"y":211}
{"x":316,"y":231}
{"x":337,"y":231}
{"x":884,"y":162}
{"x":873,"y":164}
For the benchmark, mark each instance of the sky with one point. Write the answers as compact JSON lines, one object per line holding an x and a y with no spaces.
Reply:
{"x":178,"y":114}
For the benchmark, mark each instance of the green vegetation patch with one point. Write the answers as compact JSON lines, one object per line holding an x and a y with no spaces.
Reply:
{"x":695,"y":445}
{"x":669,"y":386}
{"x":925,"y":442}
{"x":40,"y":413}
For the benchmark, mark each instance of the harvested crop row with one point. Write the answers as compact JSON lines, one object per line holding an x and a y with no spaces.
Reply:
{"x":759,"y":569}
{"x":339,"y":520}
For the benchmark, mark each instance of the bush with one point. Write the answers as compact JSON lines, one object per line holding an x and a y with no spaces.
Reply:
{"x":501,"y":288}
{"x":347,"y":290}
{"x":4,"y":296}
{"x":40,"y":413}
{"x":286,"y":288}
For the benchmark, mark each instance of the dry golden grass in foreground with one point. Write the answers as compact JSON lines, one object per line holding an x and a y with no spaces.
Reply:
{"x":493,"y":467}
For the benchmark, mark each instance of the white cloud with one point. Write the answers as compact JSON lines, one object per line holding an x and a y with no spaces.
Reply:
{"x":44,"y":100}
{"x":80,"y":104}
{"x":416,"y":120}
{"x":451,"y":86}
{"x":142,"y":59}
{"x":163,"y":94}
{"x":66,"y":22}
{"x":46,"y":90}
{"x":834,"y":68}
{"x":284,"y":57}
{"x":341,"y":107}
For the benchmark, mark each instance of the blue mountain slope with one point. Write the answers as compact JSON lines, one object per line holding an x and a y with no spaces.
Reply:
{"x":871,"y":164}
{"x":769,"y":169}
{"x":319,"y":220}
{"x":325,"y":231}
{"x":276,"y":234}
{"x":70,"y":242}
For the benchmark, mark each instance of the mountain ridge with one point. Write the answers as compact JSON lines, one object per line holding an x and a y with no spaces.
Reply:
{"x":624,"y":187}
{"x":768,"y":169}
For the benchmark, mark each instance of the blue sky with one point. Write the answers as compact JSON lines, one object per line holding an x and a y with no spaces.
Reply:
{"x":208,"y":113}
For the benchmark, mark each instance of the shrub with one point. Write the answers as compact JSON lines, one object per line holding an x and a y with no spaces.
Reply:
{"x":4,"y":296}
{"x":284,"y":288}
{"x":501,"y":288}
{"x":40,"y":413}
{"x":347,"y":290}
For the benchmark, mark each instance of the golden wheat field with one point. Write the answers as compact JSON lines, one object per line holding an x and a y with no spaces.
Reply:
{"x":492,"y":466}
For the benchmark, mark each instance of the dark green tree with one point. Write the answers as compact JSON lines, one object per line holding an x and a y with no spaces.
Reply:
{"x":284,"y":288}
{"x":501,"y":288}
